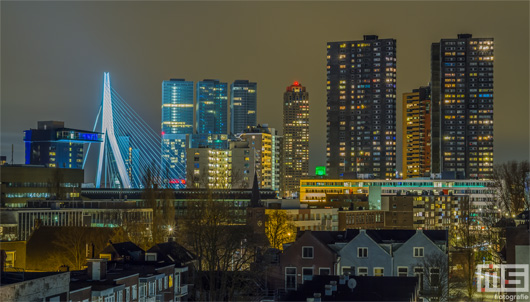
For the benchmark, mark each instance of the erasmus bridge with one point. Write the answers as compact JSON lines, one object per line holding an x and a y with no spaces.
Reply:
{"x":130,"y":150}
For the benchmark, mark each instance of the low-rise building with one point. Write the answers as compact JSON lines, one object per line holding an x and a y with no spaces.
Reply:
{"x":19,"y":223}
{"x":20,"y":183}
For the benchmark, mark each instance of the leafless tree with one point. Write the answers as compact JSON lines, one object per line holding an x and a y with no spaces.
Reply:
{"x":224,"y":249}
{"x":279,"y":228}
{"x":55,"y":185}
{"x":510,"y":179}
{"x":436,"y":277}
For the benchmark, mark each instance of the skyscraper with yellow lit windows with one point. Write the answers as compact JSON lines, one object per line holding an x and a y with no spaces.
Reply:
{"x":416,"y":133}
{"x":462,"y":107}
{"x":295,"y":153}
{"x":361,"y":108}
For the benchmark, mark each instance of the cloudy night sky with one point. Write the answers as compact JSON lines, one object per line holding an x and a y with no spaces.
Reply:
{"x":53,"y":56}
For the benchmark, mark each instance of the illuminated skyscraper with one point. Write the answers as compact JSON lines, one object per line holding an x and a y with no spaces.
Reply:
{"x":212,"y":107}
{"x":416,"y":131}
{"x":462,"y":107}
{"x":243,"y":106}
{"x":295,"y":138}
{"x":177,"y":124}
{"x":361,"y":98}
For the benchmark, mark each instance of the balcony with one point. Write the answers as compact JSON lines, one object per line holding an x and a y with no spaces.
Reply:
{"x":181,"y":291}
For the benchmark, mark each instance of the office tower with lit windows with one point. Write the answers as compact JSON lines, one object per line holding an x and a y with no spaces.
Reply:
{"x":177,"y":125}
{"x":267,"y":147}
{"x":243,"y":106}
{"x":295,"y":153}
{"x":462,"y":107}
{"x":55,"y":146}
{"x":212,"y":107}
{"x":416,"y":131}
{"x":361,"y":108}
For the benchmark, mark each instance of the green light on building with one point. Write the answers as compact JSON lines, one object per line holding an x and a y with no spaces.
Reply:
{"x":320,"y":171}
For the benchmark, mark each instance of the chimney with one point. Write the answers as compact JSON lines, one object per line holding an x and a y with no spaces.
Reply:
{"x":97,"y":269}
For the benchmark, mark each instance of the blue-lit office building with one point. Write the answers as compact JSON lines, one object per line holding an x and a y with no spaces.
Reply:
{"x":212,"y":107}
{"x":243,"y":106}
{"x":55,"y":146}
{"x":177,"y":125}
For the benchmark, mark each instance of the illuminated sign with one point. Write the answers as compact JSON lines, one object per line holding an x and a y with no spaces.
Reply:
{"x":320,"y":171}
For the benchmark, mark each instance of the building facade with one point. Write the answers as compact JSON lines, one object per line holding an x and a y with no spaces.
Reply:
{"x":361,"y":108}
{"x":295,"y":138}
{"x":221,"y":168}
{"x":177,"y":125}
{"x":462,"y":107}
{"x":243,"y":105}
{"x":55,"y":146}
{"x":20,"y":183}
{"x":212,"y":107}
{"x":416,"y":135}
{"x":267,"y":149}
{"x":18,"y":224}
{"x":481,"y":193}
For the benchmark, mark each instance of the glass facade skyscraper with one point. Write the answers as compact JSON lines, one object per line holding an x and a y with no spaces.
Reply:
{"x":361,"y":99}
{"x":177,"y":124}
{"x":212,"y":107}
{"x":462,"y":107}
{"x":243,"y":106}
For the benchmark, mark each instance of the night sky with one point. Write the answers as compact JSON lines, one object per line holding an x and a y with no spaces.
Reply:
{"x":54,"y":55}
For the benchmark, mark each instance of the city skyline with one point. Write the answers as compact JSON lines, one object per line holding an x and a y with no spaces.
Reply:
{"x":65,"y":63}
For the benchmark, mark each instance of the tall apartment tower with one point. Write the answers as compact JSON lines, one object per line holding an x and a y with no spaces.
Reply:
{"x":416,"y":133}
{"x":295,"y":138}
{"x":177,"y":124}
{"x":462,"y":107}
{"x":243,"y":106}
{"x":212,"y":107}
{"x":267,"y":147}
{"x":361,"y":98}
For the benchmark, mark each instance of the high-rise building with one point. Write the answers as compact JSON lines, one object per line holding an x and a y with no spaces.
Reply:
{"x":416,"y":131}
{"x":267,"y":147}
{"x":361,"y":98}
{"x":462,"y":107}
{"x":295,"y":138}
{"x":177,"y":125}
{"x":243,"y":106}
{"x":55,"y":146}
{"x":212,"y":107}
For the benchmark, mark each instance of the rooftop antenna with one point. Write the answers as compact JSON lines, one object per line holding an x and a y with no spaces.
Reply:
{"x":12,"y":151}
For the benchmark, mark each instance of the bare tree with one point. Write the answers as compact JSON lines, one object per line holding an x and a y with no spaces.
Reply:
{"x":223,"y":248}
{"x":55,"y":185}
{"x":510,"y":178}
{"x":464,"y":238}
{"x":279,"y":228}
{"x":436,"y":277}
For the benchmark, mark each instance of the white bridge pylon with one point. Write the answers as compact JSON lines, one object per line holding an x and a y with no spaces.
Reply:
{"x":109,"y":138}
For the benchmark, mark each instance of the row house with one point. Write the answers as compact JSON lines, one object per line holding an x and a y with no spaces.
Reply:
{"x":377,"y":253}
{"x":125,"y":273}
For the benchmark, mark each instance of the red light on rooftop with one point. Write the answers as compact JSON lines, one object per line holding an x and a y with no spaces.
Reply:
{"x":296,"y":83}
